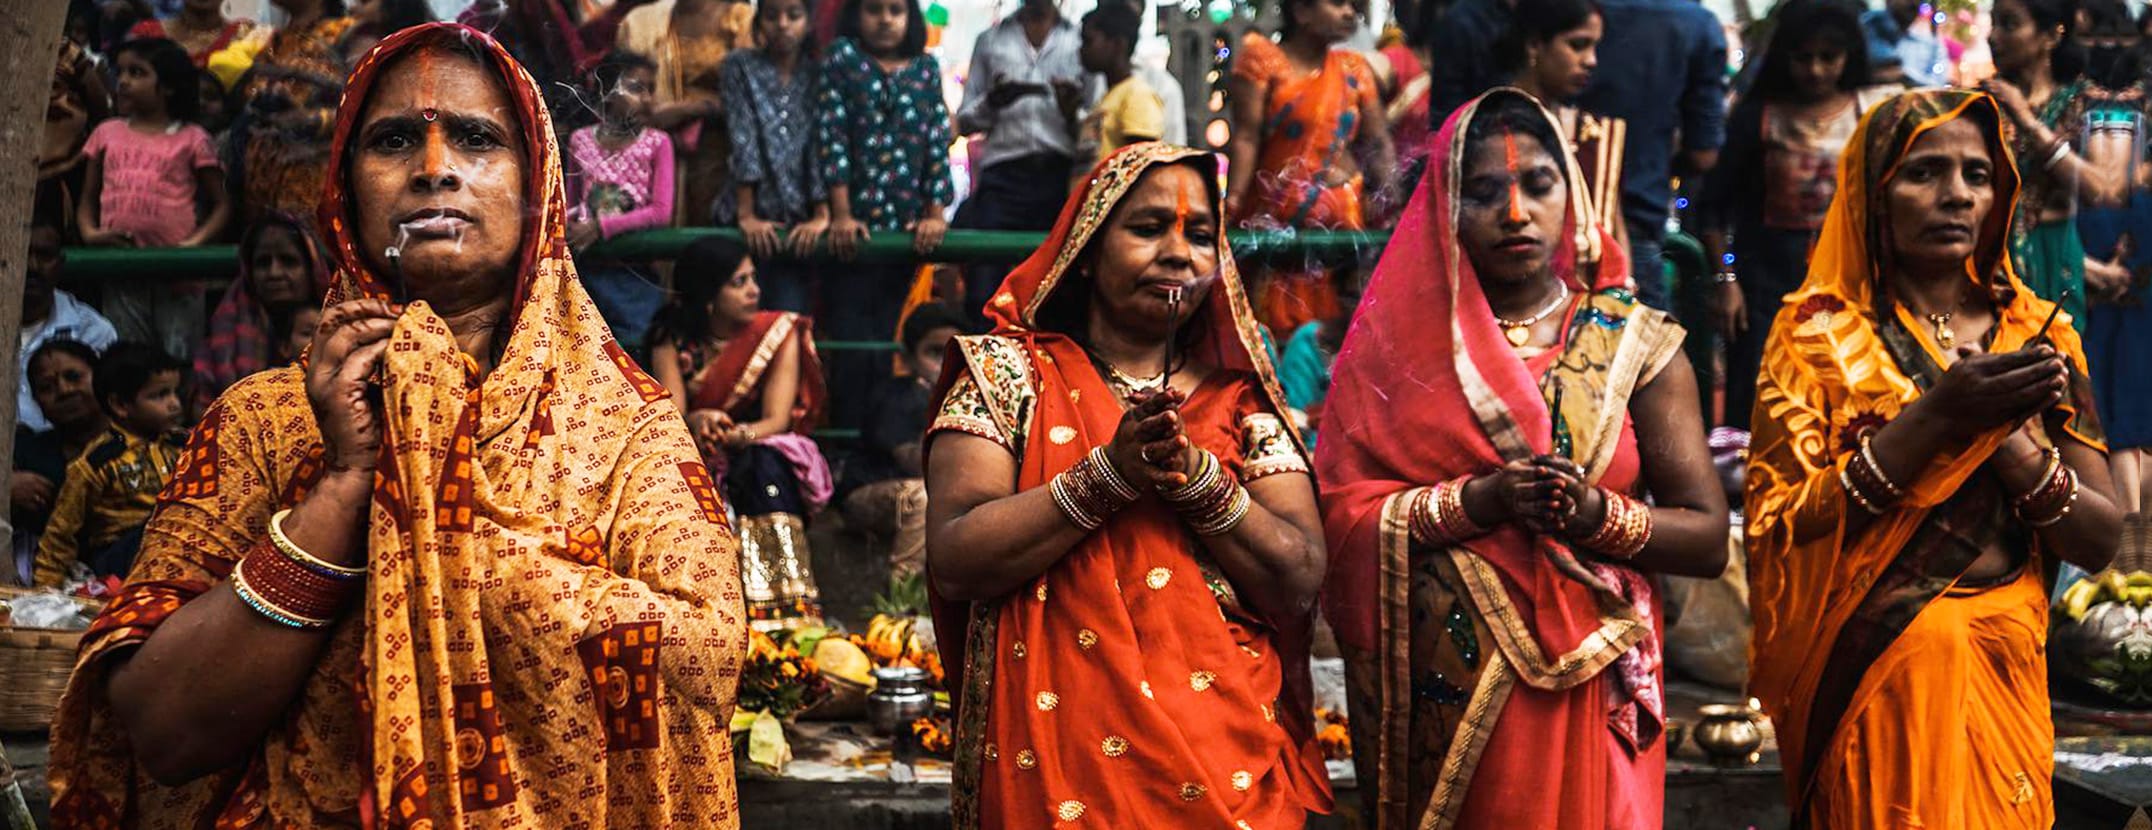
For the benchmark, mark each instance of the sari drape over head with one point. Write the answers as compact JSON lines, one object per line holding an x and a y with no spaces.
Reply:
{"x":240,"y":328}
{"x":1128,"y":684}
{"x":1901,"y":696}
{"x":551,"y":629}
{"x":1490,"y":689}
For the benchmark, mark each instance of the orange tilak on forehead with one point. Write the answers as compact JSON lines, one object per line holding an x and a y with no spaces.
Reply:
{"x":436,"y":146}
{"x":1516,"y":178}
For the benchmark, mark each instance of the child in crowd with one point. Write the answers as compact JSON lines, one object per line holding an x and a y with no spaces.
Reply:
{"x":113,"y":485}
{"x":146,"y":167}
{"x":620,"y":180}
{"x":770,"y":116}
{"x":888,"y":486}
{"x":281,"y":268}
{"x":1131,"y":110}
{"x":881,"y":138}
{"x":296,"y":326}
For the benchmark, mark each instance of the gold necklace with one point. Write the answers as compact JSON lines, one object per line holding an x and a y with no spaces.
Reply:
{"x":1945,"y":338}
{"x":1128,"y":384}
{"x":1519,"y":332}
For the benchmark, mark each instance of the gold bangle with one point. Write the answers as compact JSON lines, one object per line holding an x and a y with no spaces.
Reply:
{"x":291,"y":549}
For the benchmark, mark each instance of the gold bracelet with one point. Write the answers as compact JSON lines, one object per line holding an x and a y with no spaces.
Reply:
{"x":291,"y":549}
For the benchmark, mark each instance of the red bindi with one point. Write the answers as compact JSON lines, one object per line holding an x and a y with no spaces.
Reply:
{"x":429,"y":114}
{"x":1180,"y":212}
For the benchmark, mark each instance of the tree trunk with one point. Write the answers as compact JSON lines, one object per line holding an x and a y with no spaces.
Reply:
{"x":29,"y":43}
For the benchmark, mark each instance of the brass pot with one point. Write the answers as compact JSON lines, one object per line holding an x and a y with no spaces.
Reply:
{"x":1728,"y":735}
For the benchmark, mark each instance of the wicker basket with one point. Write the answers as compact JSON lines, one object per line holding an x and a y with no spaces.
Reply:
{"x":34,"y":666}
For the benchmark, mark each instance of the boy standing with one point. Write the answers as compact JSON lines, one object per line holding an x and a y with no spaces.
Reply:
{"x":1131,"y":110}
{"x":112,"y":487}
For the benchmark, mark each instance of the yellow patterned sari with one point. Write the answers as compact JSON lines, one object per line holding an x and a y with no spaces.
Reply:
{"x":553,"y":625}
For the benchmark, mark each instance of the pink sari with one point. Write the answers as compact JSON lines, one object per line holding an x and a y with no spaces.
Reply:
{"x":1490,"y":690}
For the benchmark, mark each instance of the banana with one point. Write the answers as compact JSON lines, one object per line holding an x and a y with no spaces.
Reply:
{"x":2078,"y":598}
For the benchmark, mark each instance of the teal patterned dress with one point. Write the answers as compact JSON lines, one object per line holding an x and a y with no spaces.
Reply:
{"x":885,"y":135}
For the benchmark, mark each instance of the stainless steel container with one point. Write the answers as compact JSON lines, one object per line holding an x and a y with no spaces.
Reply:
{"x":900,"y":697}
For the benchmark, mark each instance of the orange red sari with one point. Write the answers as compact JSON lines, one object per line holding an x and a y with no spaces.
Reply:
{"x":534,"y":649}
{"x":1903,"y":696}
{"x":1128,"y":685}
{"x":1309,"y":123}
{"x":1490,"y":690}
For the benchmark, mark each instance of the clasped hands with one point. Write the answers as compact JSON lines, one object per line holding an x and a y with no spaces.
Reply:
{"x":1545,"y":493}
{"x":1150,"y":448}
{"x":714,"y":431}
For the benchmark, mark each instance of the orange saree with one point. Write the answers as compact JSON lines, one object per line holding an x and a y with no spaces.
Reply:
{"x":1128,"y":685}
{"x":1902,"y":696}
{"x":1489,"y":689}
{"x":1309,"y":123}
{"x":534,"y":648}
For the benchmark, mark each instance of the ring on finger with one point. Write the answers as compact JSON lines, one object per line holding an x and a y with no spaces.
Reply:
{"x":1146,"y":453}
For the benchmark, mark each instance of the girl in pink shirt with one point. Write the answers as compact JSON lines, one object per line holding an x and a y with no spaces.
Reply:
{"x":620,"y":180}
{"x":146,"y":167}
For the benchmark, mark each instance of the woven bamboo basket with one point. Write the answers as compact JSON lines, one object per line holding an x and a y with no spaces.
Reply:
{"x":34,"y":666}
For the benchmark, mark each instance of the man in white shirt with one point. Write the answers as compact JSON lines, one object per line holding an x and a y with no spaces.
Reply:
{"x":1023,"y":92}
{"x":50,"y":314}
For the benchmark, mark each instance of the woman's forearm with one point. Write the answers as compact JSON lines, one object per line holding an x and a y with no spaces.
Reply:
{"x":200,"y":693}
{"x":1685,"y":542}
{"x":996,"y":548}
{"x":1276,"y":564}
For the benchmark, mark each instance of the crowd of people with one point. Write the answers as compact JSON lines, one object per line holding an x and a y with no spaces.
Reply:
{"x":433,"y":390}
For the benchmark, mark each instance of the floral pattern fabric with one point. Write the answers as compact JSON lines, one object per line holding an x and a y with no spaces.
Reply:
{"x":884,"y":135}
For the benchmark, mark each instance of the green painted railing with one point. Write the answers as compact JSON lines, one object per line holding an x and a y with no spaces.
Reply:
{"x":221,"y":261}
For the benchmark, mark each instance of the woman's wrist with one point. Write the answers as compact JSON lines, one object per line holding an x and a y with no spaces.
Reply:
{"x":1482,"y":505}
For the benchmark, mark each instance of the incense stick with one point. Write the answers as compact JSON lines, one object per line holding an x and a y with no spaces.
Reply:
{"x":1173,"y":332}
{"x":2051,"y":315}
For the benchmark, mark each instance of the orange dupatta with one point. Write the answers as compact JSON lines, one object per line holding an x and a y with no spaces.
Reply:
{"x":1125,"y":686}
{"x":1828,"y":606}
{"x":533,"y":648}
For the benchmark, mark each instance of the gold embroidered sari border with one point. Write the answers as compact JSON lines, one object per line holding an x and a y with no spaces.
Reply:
{"x":765,"y":351}
{"x":1474,"y":729}
{"x":1616,"y":634}
{"x":1394,"y":654}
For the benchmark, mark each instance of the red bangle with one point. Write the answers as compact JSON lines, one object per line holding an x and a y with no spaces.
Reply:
{"x":278,"y":581}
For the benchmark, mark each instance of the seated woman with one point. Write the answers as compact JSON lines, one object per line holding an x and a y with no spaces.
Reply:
{"x":1121,"y":531}
{"x":281,"y":269}
{"x":433,"y":577}
{"x":61,"y":375}
{"x":750,"y":384}
{"x":1498,"y":417}
{"x":1925,"y":451}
